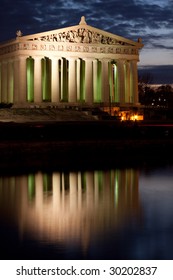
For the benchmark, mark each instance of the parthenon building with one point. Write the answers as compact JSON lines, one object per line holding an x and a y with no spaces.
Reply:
{"x":76,"y":65}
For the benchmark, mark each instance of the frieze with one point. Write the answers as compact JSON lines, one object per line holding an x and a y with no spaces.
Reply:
{"x":85,"y":49}
{"x":43,"y":47}
{"x":68,"y":48}
{"x":34,"y":47}
{"x":9,"y":49}
{"x":81,"y":35}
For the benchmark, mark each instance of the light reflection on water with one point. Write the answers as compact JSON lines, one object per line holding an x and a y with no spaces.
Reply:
{"x":113,"y":214}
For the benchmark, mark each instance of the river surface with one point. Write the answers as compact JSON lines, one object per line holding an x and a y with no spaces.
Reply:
{"x":88,"y":214}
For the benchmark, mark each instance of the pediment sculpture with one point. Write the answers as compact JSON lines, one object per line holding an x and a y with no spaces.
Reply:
{"x":80,"y":35}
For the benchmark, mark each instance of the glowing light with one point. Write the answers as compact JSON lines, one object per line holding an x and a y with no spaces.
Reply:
{"x":46,"y":78}
{"x":137,"y":117}
{"x":30,"y":79}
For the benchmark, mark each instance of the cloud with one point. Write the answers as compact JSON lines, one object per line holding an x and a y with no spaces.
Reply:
{"x":121,"y":17}
{"x":150,"y":20}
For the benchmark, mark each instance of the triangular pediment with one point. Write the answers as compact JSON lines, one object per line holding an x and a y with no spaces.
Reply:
{"x":83,"y":34}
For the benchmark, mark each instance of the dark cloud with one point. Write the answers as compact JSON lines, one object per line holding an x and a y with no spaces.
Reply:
{"x":124,"y":17}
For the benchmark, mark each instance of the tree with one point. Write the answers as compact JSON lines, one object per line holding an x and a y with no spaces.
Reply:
{"x":144,"y":88}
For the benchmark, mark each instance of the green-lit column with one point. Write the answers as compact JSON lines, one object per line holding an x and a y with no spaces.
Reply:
{"x":46,"y":79}
{"x":64,"y":80}
{"x":111,"y":93}
{"x":30,"y":79}
{"x":49,"y":77}
{"x":97,"y":69}
{"x":113,"y":82}
{"x":81,"y":80}
{"x":105,"y":81}
{"x":72,"y":78}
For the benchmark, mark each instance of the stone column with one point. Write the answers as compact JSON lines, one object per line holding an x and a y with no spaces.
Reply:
{"x":72,"y":80}
{"x":105,"y":81}
{"x":16,"y":81}
{"x":89,"y":80}
{"x":127,"y":82}
{"x":10,"y":85}
{"x":55,"y":95}
{"x":121,"y":81}
{"x":95,"y":78}
{"x":22,"y":80}
{"x":4,"y":82}
{"x":78,"y":78}
{"x":134,"y":82}
{"x":64,"y":79}
{"x":37,"y":80}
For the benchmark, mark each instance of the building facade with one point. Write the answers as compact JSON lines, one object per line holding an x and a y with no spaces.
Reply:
{"x":74,"y":65}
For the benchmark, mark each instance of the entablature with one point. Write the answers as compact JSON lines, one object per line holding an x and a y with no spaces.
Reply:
{"x":32,"y":46}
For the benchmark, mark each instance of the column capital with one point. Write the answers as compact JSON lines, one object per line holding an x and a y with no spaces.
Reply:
{"x":72,"y":58}
{"x":121,"y":61}
{"x":107,"y":59}
{"x":88,"y":58}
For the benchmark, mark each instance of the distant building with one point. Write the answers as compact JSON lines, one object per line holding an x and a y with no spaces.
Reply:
{"x":74,"y":65}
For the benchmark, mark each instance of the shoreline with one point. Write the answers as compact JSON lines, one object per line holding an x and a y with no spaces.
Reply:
{"x":84,"y":142}
{"x":31,"y":156}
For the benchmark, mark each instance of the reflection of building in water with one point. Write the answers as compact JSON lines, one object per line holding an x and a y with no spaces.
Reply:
{"x":71,"y":206}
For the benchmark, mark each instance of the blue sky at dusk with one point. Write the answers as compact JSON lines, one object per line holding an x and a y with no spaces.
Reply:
{"x":152,"y":20}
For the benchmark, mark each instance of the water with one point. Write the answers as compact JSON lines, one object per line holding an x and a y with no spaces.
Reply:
{"x":96,"y":214}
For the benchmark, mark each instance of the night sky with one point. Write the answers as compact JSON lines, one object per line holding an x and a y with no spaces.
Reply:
{"x":152,"y":20}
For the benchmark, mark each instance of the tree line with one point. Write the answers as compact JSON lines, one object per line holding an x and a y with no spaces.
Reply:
{"x":160,"y":96}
